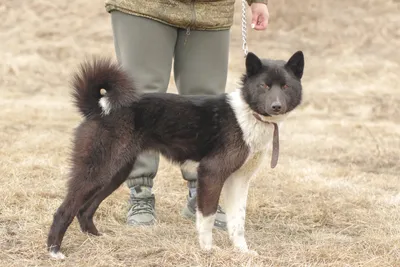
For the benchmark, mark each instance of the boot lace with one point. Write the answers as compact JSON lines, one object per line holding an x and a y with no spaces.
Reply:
{"x":141,"y":205}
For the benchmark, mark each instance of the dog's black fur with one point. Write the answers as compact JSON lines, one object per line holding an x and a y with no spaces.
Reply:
{"x":121,"y":124}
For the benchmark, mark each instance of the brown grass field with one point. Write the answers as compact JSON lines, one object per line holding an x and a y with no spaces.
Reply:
{"x":333,"y":200}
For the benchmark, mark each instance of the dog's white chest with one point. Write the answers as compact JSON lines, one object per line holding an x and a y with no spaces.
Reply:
{"x":257,"y":135}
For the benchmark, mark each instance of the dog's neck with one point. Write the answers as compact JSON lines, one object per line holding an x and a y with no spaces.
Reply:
{"x":258,"y":130}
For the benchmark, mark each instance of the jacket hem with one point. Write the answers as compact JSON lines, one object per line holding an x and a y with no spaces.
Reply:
{"x":111,"y":8}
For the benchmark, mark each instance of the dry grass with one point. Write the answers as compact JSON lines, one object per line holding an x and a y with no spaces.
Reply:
{"x":332,"y":201}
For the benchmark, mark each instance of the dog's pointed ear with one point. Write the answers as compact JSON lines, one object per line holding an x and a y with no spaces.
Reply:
{"x":296,"y":64}
{"x":253,"y":64}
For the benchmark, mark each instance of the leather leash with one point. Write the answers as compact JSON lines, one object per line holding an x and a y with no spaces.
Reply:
{"x":275,"y":141}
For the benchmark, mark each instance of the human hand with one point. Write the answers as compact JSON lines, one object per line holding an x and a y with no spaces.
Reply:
{"x":260,"y":16}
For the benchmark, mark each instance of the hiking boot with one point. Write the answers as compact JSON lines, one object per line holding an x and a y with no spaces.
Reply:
{"x":189,"y":211}
{"x":141,"y":210}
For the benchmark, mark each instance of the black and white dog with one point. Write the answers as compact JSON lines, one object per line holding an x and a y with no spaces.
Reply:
{"x":224,"y":137}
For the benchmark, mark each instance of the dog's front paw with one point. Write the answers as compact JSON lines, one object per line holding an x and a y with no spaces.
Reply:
{"x":247,"y":251}
{"x":206,"y":246}
{"x":57,"y":255}
{"x":211,"y":249}
{"x":241,"y":246}
{"x":205,"y":240}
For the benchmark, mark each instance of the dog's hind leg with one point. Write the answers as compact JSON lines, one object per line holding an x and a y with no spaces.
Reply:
{"x":79,"y":190}
{"x":93,"y":167}
{"x":84,"y":223}
{"x":87,"y":211}
{"x":82,"y":188}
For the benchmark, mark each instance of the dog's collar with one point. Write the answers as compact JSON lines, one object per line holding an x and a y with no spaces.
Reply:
{"x":275,"y":140}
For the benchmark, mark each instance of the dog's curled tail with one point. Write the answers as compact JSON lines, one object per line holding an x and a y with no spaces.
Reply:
{"x":101,"y":87}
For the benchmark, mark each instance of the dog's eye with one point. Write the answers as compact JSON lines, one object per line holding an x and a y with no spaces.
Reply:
{"x":263,"y":85}
{"x":285,"y":86}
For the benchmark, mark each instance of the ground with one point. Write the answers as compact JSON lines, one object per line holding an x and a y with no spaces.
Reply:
{"x":333,"y":199}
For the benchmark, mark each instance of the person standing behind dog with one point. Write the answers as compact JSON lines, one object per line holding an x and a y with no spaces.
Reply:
{"x":148,"y":36}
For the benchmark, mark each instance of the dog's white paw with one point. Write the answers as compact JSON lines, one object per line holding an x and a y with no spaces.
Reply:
{"x":210,"y":249}
{"x":207,"y":246}
{"x":205,"y":240}
{"x":247,"y":251}
{"x":57,"y":255}
{"x":243,"y":248}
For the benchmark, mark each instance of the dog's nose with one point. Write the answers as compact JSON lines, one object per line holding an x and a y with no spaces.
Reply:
{"x":276,"y":106}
